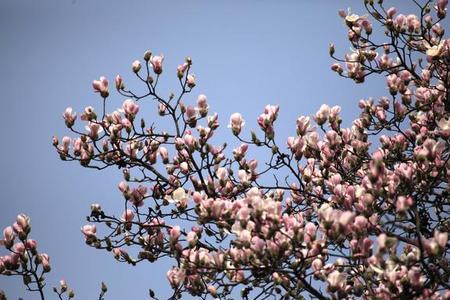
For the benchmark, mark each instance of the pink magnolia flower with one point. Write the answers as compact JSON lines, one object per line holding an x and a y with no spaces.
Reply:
{"x":360,"y":224}
{"x":336,"y":67}
{"x":190,"y":113}
{"x":119,"y":82}
{"x":222,"y":173}
{"x":89,"y":231}
{"x":156,"y":62}
{"x":176,"y":277}
{"x":303,"y":125}
{"x":403,"y":203}
{"x":202,"y":104}
{"x":441,"y":7}
{"x":192,"y":238}
{"x":342,"y":13}
{"x":175,"y":233}
{"x":336,"y":281}
{"x":123,"y":187}
{"x":45,"y":261}
{"x":119,"y":252}
{"x":136,"y":66}
{"x":245,"y":237}
{"x":191,"y":81}
{"x":163,"y":152}
{"x":65,"y":143}
{"x":236,"y":123}
{"x":30,"y":244}
{"x":69,"y":117}
{"x":317,"y":265}
{"x":128,"y":215}
{"x":322,"y":115}
{"x":391,"y":12}
{"x":88,"y":114}
{"x":94,"y":129}
{"x":101,"y":86}
{"x":444,"y":127}
{"x":177,"y":196}
{"x":23,"y":221}
{"x":19,"y":248}
{"x":130,"y":108}
{"x":441,"y":238}
{"x":181,"y":69}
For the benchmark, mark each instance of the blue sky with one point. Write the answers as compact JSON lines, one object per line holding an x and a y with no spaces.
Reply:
{"x":246,"y":54}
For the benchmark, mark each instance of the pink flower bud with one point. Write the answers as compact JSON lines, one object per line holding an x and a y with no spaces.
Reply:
{"x":101,"y":86}
{"x":322,"y":115}
{"x":346,"y":218}
{"x":236,"y":123}
{"x":89,"y":231}
{"x":181,"y":69}
{"x":175,"y":233}
{"x":336,"y":67}
{"x":302,"y":125}
{"x":176,"y":277}
{"x":184,"y":167}
{"x":391,"y":12}
{"x":441,"y":238}
{"x":192,"y":238}
{"x":136,"y":66}
{"x":403,"y":203}
{"x":441,"y":7}
{"x":63,"y":285}
{"x":191,"y":81}
{"x":156,"y":62}
{"x":444,"y":127}
{"x":8,"y":235}
{"x":119,"y":82}
{"x":222,"y":174}
{"x":336,"y":281}
{"x":123,"y":187}
{"x":202,"y":105}
{"x":94,"y":130}
{"x":128,"y":215}
{"x":23,"y":221}
{"x":30,"y":244}
{"x":45,"y":261}
{"x":190,"y":113}
{"x":69,"y":117}
{"x":164,"y":154}
{"x":65,"y":143}
{"x":245,"y":237}
{"x":19,"y":248}
{"x":317,"y":265}
{"x":360,"y":224}
{"x":342,"y":13}
{"x":130,"y":108}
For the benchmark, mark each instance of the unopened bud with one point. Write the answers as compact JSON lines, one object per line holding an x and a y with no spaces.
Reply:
{"x":136,"y":66}
{"x":331,"y":49}
{"x":104,"y":287}
{"x":26,"y":279}
{"x":147,"y":55}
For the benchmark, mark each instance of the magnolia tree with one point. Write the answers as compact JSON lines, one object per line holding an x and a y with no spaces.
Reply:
{"x":332,"y":213}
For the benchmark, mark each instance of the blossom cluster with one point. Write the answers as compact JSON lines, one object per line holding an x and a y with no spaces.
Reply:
{"x":24,"y":259}
{"x":357,"y":211}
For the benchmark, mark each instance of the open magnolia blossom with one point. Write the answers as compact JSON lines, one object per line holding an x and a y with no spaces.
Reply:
{"x":333,"y":212}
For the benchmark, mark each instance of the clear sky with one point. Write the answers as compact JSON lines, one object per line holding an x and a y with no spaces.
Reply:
{"x":246,"y":54}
